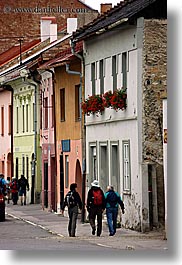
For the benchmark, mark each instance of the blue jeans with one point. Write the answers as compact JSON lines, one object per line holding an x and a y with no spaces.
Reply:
{"x":112,"y":213}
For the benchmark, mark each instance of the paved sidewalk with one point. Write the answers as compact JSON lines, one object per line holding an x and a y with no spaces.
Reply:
{"x":57,"y":224}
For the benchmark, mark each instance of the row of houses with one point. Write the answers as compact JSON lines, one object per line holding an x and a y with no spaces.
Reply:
{"x":92,"y":105}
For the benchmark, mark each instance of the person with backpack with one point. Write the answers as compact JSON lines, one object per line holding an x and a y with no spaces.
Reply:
{"x":113,"y":199}
{"x":23,"y":185}
{"x":14,"y":190}
{"x":95,"y":206}
{"x":2,"y":184}
{"x":73,"y":201}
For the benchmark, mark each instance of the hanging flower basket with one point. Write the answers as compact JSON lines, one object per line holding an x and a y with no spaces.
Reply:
{"x":97,"y":103}
{"x":93,"y":104}
{"x":118,"y":100}
{"x":107,"y":99}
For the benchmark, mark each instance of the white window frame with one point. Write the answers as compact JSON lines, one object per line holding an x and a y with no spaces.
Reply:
{"x":126,"y":166}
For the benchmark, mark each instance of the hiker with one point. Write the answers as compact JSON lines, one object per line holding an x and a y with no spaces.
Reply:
{"x":113,"y":199}
{"x":73,"y":202}
{"x":95,"y":207}
{"x":14,"y":190}
{"x":22,"y":185}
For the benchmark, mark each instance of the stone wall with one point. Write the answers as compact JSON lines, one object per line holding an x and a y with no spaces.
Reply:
{"x":154,"y":84}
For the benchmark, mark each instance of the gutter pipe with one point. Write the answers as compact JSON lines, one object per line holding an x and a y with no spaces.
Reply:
{"x":83,"y":133}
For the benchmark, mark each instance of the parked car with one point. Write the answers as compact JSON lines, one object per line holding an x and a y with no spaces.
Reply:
{"x":2,"y":207}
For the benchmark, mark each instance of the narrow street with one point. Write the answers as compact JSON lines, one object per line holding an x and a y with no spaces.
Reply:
{"x":30,"y":227}
{"x":20,"y":235}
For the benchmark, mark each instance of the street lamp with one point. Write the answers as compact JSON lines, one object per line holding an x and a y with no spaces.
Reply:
{"x":4,"y":87}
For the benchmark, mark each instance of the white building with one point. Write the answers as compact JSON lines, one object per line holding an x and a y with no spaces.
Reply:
{"x":118,"y":147}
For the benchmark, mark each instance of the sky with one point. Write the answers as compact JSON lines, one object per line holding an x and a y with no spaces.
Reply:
{"x":96,"y":3}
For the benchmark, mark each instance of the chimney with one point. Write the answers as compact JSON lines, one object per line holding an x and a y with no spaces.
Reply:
{"x":105,"y":7}
{"x":48,"y":28}
{"x":71,"y":25}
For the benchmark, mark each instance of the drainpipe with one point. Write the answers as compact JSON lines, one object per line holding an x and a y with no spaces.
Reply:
{"x":83,"y":131}
{"x":55,"y":147}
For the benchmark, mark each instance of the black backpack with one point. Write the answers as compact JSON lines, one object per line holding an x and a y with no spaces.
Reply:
{"x":70,"y":199}
{"x":112,"y":198}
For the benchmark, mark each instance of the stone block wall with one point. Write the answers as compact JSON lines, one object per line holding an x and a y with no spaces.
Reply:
{"x":154,"y":84}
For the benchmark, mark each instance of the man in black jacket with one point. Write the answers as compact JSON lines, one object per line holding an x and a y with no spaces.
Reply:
{"x":73,"y":202}
{"x":95,"y":206}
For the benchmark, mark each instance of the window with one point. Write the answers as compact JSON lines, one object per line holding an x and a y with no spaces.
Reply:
{"x":27,"y":167}
{"x":10,"y":120}
{"x":62,"y":104}
{"x":46,"y":113}
{"x":93,"y":163}
{"x":16,"y":170}
{"x":52,"y":104}
{"x":23,"y":165}
{"x":114,"y":71}
{"x":103,"y":170}
{"x":77,"y":103}
{"x":126,"y":166}
{"x":27,"y":120}
{"x":67,"y":171}
{"x":115,"y":176}
{"x":124,"y":69}
{"x":93,"y":77}
{"x":33,"y":117}
{"x":101,"y":71}
{"x":17,"y":120}
{"x":23,"y":118}
{"x":2,"y":121}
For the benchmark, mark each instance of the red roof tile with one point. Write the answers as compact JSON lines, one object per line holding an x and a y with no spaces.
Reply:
{"x":15,"y":51}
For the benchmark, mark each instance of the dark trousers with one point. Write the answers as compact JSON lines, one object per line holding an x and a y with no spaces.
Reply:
{"x":93,"y":213}
{"x":112,"y":214}
{"x":15,"y":197}
{"x":73,"y":214}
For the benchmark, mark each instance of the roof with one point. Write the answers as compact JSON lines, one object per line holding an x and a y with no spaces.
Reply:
{"x":35,"y":55}
{"x":64,"y":56}
{"x":124,"y":11}
{"x":13,"y":52}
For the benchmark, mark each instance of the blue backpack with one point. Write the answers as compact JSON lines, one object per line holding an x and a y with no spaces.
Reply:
{"x":112,"y":198}
{"x":2,"y":190}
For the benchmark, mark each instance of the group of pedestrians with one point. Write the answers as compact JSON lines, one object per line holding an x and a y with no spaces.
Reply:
{"x":97,"y":203}
{"x":16,"y":187}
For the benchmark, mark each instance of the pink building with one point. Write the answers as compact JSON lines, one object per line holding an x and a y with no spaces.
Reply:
{"x":47,"y":142}
{"x":6,"y":137}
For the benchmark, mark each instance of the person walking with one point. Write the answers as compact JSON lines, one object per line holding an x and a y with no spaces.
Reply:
{"x":22,"y":185}
{"x":113,"y":200}
{"x":95,"y":207}
{"x":14,"y":190}
{"x":73,"y":201}
{"x":2,"y":184}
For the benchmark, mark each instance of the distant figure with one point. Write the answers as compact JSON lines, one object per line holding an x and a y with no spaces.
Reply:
{"x":14,"y":190}
{"x":22,"y":185}
{"x":113,"y":199}
{"x":2,"y":184}
{"x":73,"y":201}
{"x":8,"y":190}
{"x":95,"y":207}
